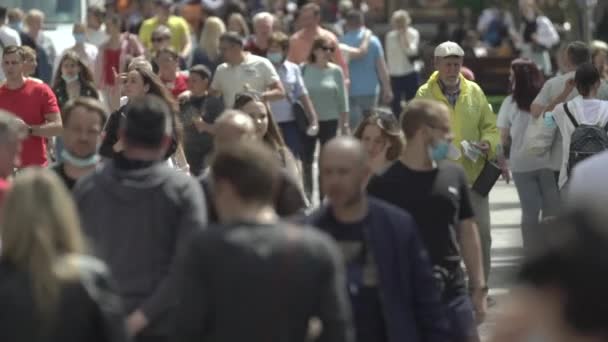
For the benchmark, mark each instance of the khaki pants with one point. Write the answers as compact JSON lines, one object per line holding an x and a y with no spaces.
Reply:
{"x":481,"y":207}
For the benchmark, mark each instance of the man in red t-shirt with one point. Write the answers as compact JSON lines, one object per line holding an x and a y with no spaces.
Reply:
{"x":33,"y":102}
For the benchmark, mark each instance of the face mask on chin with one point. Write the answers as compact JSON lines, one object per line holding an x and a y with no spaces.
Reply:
{"x":78,"y":161}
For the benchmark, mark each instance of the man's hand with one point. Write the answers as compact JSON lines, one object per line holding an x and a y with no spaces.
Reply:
{"x":387,"y":95}
{"x":479,"y":297}
{"x":136,"y":322}
{"x":484,"y":146}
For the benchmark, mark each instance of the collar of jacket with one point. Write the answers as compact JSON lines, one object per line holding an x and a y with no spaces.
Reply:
{"x":438,"y":93}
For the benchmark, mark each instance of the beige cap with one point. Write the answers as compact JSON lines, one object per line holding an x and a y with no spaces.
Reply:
{"x":447,"y":49}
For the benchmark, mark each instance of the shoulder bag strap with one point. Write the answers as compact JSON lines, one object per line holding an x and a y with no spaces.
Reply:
{"x":570,"y":116}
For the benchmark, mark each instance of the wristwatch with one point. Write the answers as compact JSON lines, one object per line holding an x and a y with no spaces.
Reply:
{"x":30,"y":130}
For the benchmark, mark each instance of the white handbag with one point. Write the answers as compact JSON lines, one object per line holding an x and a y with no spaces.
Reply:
{"x":540,"y":134}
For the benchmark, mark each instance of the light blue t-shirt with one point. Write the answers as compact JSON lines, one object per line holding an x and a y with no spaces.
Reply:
{"x":364,"y":79}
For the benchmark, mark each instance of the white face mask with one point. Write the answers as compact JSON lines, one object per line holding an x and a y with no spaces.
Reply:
{"x":78,"y":161}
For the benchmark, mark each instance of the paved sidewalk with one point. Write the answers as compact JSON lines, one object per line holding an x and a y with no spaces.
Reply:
{"x":507,"y":252}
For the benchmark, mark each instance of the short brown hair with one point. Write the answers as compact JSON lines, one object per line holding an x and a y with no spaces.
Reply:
{"x":421,"y":112}
{"x":28,"y":52}
{"x":257,"y":162}
{"x":319,"y":42}
{"x":89,"y":104}
{"x":311,"y":6}
{"x":280,"y":39}
{"x":11,"y":49}
{"x":389,"y":126}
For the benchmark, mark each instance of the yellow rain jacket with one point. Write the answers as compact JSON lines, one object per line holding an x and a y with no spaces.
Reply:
{"x":472,"y":119}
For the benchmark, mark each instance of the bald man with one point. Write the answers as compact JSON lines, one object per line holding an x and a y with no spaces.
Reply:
{"x":234,"y":126}
{"x":383,"y":254}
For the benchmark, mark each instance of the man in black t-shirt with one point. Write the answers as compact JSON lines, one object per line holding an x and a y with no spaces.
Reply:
{"x":389,"y":274}
{"x":436,"y":193}
{"x":83,"y":121}
{"x":254,"y":278}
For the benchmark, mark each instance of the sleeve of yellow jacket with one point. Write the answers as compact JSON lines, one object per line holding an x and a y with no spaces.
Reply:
{"x":487,"y":126}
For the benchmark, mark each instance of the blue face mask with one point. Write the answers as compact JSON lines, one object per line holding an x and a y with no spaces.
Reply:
{"x":80,"y":162}
{"x":69,"y":79}
{"x":440,"y":151}
{"x":275,"y":57}
{"x":80,"y":38}
{"x":18,"y":26}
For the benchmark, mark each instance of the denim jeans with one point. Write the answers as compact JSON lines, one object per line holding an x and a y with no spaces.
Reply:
{"x":359,"y":105}
{"x":461,"y":315}
{"x":293,"y":137}
{"x":404,"y":87}
{"x":327,"y":131}
{"x":538,"y":194}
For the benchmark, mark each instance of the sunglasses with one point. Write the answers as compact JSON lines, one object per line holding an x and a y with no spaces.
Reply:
{"x":159,"y":39}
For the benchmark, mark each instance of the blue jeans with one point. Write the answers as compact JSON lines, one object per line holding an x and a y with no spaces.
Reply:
{"x":461,"y":316}
{"x":359,"y":105}
{"x":538,"y":194}
{"x":404,"y":87}
{"x":293,"y":137}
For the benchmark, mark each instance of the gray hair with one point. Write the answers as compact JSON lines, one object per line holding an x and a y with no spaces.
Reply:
{"x":10,"y":128}
{"x":263,"y":16}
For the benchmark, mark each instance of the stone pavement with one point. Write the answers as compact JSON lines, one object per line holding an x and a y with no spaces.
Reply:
{"x":507,"y":250}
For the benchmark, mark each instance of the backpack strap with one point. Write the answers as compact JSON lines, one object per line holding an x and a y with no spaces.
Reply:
{"x":570,"y":116}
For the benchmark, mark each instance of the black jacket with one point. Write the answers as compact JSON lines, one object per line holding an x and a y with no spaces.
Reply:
{"x":88,"y":309}
{"x":261,"y":283}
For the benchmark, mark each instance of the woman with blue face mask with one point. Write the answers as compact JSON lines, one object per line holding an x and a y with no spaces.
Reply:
{"x":73,"y":79}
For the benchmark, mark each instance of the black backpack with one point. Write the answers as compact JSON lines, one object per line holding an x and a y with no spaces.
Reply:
{"x":586,"y":141}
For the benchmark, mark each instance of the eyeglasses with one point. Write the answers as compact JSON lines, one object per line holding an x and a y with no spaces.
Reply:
{"x":328,"y":48}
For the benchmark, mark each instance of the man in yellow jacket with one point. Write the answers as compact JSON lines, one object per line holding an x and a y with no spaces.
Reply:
{"x":472,"y":120}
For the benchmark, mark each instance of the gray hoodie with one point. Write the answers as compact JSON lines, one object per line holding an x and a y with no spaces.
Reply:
{"x":137,"y":220}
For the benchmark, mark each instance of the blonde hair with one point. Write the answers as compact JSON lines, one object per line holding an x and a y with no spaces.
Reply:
{"x":244,"y":29}
{"x":40,"y":226}
{"x":401,"y":16}
{"x":210,"y":37}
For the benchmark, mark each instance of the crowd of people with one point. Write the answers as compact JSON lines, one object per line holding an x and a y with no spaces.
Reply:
{"x":160,"y":186}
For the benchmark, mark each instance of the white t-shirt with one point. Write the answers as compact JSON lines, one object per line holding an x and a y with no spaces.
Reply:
{"x":88,"y":58}
{"x":8,"y":37}
{"x":586,"y":112}
{"x":397,"y":54}
{"x":254,"y":74}
{"x":97,"y":37}
{"x":517,"y":120}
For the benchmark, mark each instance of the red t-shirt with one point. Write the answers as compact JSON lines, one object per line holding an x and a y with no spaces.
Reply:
{"x":178,"y":86}
{"x":31,"y":103}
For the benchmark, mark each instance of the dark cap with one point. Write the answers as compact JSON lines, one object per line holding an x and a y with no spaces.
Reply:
{"x":232,"y":38}
{"x":164,"y":3}
{"x":147,"y":121}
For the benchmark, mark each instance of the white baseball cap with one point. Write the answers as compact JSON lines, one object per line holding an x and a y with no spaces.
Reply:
{"x":447,"y":49}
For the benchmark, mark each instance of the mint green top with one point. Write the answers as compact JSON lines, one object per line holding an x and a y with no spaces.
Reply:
{"x":326,"y":90}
